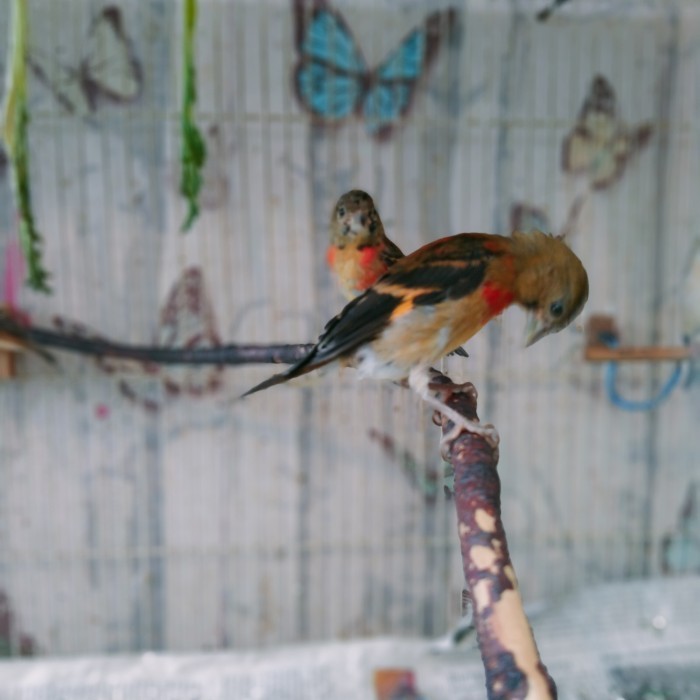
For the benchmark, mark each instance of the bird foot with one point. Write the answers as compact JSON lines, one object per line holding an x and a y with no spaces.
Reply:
{"x":436,"y":395}
{"x":446,"y":391}
{"x":487,"y":431}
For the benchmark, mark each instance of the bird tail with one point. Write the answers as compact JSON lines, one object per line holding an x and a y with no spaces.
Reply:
{"x":270,"y":381}
{"x":304,"y":365}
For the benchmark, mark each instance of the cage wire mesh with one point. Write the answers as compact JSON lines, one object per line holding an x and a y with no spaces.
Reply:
{"x":149,"y":509}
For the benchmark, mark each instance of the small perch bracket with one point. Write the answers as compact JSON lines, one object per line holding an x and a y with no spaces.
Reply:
{"x":603,"y":345}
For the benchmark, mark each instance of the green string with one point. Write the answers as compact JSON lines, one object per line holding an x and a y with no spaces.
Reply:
{"x":15,"y":120}
{"x":193,"y":152}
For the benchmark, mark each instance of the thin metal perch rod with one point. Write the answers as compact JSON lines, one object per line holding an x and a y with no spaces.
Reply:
{"x":508,"y":650}
{"x":230,"y":354}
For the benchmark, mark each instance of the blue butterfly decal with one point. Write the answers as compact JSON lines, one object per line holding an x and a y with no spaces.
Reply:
{"x":332,"y":79}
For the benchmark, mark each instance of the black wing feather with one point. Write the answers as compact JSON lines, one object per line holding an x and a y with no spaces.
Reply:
{"x":359,"y":322}
{"x":447,"y":269}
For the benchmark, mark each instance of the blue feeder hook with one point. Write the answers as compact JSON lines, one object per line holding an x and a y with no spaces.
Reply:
{"x":610,"y":382}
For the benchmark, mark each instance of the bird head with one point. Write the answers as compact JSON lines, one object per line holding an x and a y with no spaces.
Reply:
{"x":552,"y":286}
{"x":355,"y":220}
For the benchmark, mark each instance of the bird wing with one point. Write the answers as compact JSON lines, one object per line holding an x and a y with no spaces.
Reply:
{"x":362,"y":320}
{"x":342,"y":334}
{"x":390,"y":253}
{"x":449,"y":268}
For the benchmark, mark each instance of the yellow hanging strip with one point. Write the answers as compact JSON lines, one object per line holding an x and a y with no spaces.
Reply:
{"x":14,"y":120}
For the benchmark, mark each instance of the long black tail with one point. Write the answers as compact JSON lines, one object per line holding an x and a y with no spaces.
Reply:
{"x":271,"y":381}
{"x":304,"y":366}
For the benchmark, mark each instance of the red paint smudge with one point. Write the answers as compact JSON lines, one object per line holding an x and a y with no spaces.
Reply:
{"x":101,"y":411}
{"x":13,"y":274}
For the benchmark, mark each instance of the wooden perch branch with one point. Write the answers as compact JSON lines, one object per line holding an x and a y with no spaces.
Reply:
{"x":9,"y":347}
{"x":658,"y":353}
{"x":603,"y":345}
{"x":230,"y":354}
{"x":508,"y":650}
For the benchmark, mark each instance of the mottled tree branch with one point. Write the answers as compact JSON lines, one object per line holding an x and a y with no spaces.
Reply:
{"x":508,"y":650}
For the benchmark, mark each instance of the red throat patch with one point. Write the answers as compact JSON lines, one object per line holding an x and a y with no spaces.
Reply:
{"x":330,"y":256}
{"x":368,"y":255}
{"x":496,"y":297}
{"x":368,"y":264}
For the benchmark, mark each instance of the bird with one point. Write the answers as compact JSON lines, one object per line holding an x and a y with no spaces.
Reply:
{"x":359,"y":252}
{"x":333,"y":81}
{"x":435,"y":299}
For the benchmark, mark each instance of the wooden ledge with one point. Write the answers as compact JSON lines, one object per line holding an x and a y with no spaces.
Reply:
{"x":9,"y":348}
{"x":601,"y":327}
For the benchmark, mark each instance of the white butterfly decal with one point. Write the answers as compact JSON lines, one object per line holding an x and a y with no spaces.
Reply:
{"x":108,"y":72}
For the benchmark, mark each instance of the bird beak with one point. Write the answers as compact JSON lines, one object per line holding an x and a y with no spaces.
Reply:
{"x":535,"y":329}
{"x":357,"y":222}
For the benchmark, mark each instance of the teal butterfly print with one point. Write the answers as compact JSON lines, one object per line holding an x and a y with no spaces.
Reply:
{"x":333,"y":82}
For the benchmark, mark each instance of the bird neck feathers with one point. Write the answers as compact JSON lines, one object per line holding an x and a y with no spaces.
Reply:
{"x":536,"y":254}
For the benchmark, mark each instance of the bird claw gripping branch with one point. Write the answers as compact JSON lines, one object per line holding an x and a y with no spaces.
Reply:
{"x":445,"y":414}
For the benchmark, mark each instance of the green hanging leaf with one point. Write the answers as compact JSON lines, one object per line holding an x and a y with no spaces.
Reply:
{"x":15,"y":120}
{"x":30,"y":239}
{"x":193,"y":150}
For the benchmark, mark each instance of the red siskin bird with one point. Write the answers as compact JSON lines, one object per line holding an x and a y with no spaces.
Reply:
{"x":435,"y":299}
{"x":359,"y":252}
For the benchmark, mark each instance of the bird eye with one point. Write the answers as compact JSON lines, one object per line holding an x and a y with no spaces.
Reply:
{"x":556,"y":309}
{"x":341,"y":211}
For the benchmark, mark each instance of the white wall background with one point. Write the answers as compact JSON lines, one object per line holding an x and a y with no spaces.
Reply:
{"x":208,"y":523}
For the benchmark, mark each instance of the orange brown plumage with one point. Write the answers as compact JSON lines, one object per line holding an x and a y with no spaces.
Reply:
{"x":432,"y":301}
{"x":359,"y":252}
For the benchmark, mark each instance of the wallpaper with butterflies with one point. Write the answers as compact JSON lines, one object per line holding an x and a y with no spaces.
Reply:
{"x":134,"y":487}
